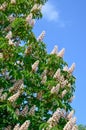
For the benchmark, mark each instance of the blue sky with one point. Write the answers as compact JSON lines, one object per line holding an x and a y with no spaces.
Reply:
{"x":65,"y":24}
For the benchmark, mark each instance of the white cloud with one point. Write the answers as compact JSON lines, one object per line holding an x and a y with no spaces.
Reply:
{"x":50,"y":13}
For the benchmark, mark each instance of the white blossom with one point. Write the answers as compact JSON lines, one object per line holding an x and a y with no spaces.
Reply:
{"x":55,"y":89}
{"x":61,"y":53}
{"x":55,"y":50}
{"x":64,"y":83}
{"x":25,"y":125}
{"x":9,"y":35}
{"x":70,"y":124}
{"x":32,"y":22}
{"x":18,"y":85}
{"x":44,"y":73}
{"x":71,"y":69}
{"x":55,"y":118}
{"x":14,"y":97}
{"x":24,"y":111}
{"x":57,"y":74}
{"x":64,"y":93}
{"x":16,"y":127}
{"x":32,"y":110}
{"x":70,"y":115}
{"x":41,"y":36}
{"x":11,"y":42}
{"x":3,"y":6}
{"x":13,"y":1}
{"x":35,"y":65}
{"x":65,"y":68}
{"x":29,"y":18}
{"x":36,"y":7}
{"x":44,"y":78}
{"x":1,"y":55}
{"x":75,"y":127}
{"x":61,"y":78}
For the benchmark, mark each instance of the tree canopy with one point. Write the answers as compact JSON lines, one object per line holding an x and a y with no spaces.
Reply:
{"x":36,"y":88}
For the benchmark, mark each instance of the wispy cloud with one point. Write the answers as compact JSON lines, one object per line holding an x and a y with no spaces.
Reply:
{"x":50,"y":13}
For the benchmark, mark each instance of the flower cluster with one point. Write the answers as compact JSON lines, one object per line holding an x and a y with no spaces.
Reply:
{"x":13,"y":1}
{"x":36,"y":7}
{"x":14,"y":97}
{"x":70,"y":124}
{"x":1,"y":55}
{"x":44,"y":76}
{"x":41,"y":36}
{"x":54,"y":120}
{"x":55,"y":89}
{"x":35,"y":65}
{"x":3,"y":6}
{"x":9,"y":36}
{"x":24,"y":111}
{"x":75,"y":127}
{"x":61,"y":53}
{"x":57,"y":74}
{"x":63,"y":93}
{"x":16,"y":127}
{"x":32,"y":110}
{"x":61,"y":80}
{"x":70,"y":115}
{"x":55,"y":50}
{"x":30,"y":20}
{"x":44,"y":79}
{"x":24,"y":126}
{"x":18,"y":85}
{"x":71,"y":69}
